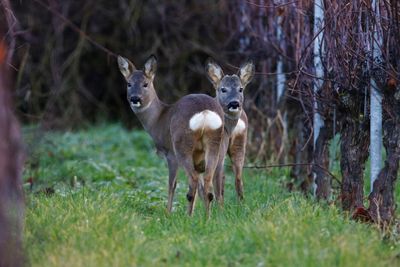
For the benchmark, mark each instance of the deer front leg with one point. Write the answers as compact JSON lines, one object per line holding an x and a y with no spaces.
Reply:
{"x":219,"y":178}
{"x":236,"y":151}
{"x":172,"y":168}
{"x":219,"y":175}
{"x":237,"y":168}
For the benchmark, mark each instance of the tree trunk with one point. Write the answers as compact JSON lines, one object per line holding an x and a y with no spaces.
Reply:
{"x":280,"y":76}
{"x":376,"y":132}
{"x":354,"y":153}
{"x":321,"y":164}
{"x":381,"y":200}
{"x":11,"y":200}
{"x":322,"y":183}
{"x":376,"y":103}
{"x":300,"y":174}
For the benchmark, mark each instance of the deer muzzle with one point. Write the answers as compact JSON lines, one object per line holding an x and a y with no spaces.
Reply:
{"x":135,"y":101}
{"x":234,"y":106}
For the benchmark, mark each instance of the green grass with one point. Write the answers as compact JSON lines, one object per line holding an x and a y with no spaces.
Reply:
{"x":108,"y":209}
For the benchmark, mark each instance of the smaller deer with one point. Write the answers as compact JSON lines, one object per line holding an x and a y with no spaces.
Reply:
{"x":229,"y":94}
{"x":188,"y":133}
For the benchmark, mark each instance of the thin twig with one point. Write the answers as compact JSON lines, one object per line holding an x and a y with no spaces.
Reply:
{"x":77,"y":29}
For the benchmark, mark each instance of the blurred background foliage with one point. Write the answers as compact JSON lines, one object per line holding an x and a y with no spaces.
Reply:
{"x":63,"y":76}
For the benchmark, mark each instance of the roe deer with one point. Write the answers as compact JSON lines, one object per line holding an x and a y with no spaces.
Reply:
{"x":229,"y":94}
{"x":188,"y":133}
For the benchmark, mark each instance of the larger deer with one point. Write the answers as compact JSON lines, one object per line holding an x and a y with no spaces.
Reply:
{"x":188,"y":133}
{"x":229,"y":94}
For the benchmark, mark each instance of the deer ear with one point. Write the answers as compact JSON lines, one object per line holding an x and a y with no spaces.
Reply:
{"x":214,"y":72}
{"x":150,"y":67}
{"x":125,"y":67}
{"x":246,"y":73}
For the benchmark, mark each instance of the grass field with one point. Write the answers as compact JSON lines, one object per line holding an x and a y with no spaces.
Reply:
{"x":99,"y":197}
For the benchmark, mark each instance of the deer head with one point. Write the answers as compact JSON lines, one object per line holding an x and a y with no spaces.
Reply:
{"x":140,"y":88}
{"x":229,"y":88}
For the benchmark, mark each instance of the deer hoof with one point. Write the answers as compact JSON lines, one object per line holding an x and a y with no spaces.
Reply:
{"x":210,"y":196}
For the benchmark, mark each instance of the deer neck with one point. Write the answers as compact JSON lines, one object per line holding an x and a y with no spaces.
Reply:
{"x":151,"y":116}
{"x":230,"y":123}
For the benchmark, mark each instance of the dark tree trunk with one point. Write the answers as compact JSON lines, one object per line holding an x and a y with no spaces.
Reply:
{"x":323,"y":180}
{"x":321,"y":164}
{"x":381,"y":200}
{"x":298,"y":171}
{"x":354,"y":153}
{"x":11,"y":199}
{"x":300,"y":174}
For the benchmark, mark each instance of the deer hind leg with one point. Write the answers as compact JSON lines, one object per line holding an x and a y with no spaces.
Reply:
{"x":191,"y":195}
{"x":173,"y":168}
{"x":184,"y":148}
{"x":236,"y":151}
{"x":187,"y":163}
{"x":200,"y":187}
{"x":211,"y":162}
{"x":199,"y":166}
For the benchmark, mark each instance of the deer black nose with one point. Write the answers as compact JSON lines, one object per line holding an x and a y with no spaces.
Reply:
{"x":234,"y":104}
{"x":135,"y":99}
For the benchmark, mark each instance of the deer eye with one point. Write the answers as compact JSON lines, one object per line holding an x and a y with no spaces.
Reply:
{"x":223,"y":90}
{"x":241,"y":90}
{"x":129,"y":85}
{"x":145,"y":85}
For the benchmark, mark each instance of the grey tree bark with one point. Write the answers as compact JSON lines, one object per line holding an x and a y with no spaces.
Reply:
{"x":376,"y":102}
{"x":322,"y":133}
{"x":382,"y":203}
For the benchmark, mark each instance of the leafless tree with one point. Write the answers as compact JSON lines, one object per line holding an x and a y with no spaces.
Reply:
{"x":387,"y":73}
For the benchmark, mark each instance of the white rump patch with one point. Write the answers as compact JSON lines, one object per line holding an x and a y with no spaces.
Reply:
{"x":239,"y":128}
{"x":205,"y":119}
